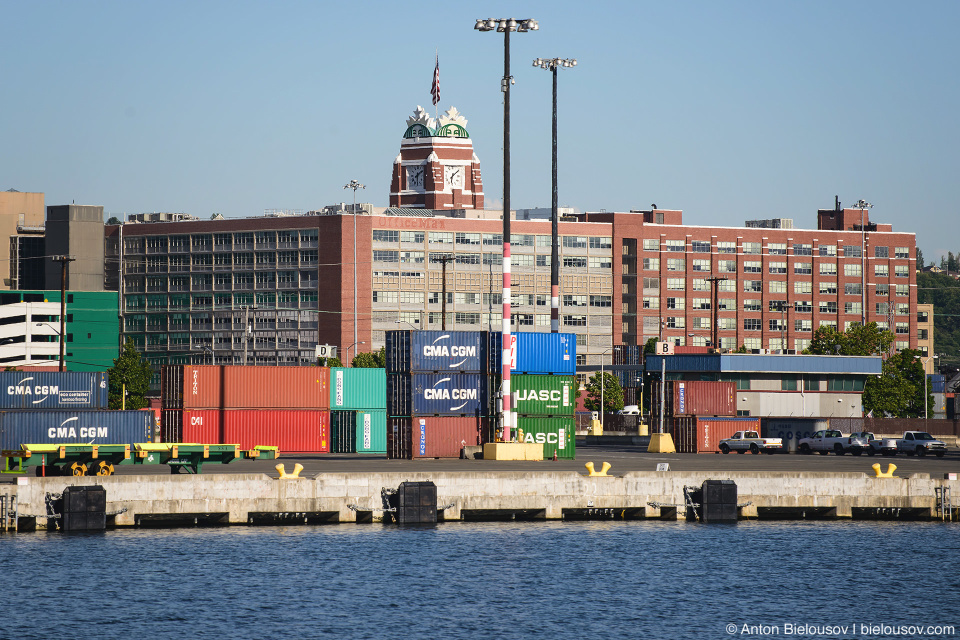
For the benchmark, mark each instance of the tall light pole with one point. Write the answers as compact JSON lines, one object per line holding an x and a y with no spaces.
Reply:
{"x":863,"y":204}
{"x":354,"y":184}
{"x":553,"y":64}
{"x":602,"y":386}
{"x":63,"y":260}
{"x":506,"y":25}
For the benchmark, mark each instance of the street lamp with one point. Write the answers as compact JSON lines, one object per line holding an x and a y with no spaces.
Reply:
{"x":59,"y":339}
{"x":602,"y":387}
{"x":354,"y":184}
{"x":553,"y":64}
{"x":205,"y":349}
{"x":506,"y":25}
{"x":863,"y":204}
{"x":353,"y":345}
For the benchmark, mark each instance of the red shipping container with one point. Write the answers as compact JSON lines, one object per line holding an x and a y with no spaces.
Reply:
{"x":191,"y":386}
{"x":276,"y":387}
{"x":292,"y":430}
{"x":703,"y":435}
{"x":200,"y":426}
{"x":432,"y":436}
{"x":697,"y":398}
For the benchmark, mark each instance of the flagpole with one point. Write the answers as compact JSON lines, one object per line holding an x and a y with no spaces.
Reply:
{"x":436,"y":81}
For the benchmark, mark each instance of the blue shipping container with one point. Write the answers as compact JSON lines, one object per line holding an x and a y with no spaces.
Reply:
{"x":437,"y":394}
{"x":538,"y":353}
{"x":53,"y":390}
{"x":74,"y":427}
{"x":438,"y":351}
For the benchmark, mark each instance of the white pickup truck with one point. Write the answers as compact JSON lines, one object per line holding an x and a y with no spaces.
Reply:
{"x":743,"y":441}
{"x":920,"y":443}
{"x":827,"y":440}
{"x":875,"y":445}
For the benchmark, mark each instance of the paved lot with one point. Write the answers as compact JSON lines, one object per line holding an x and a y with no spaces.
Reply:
{"x":621,"y":458}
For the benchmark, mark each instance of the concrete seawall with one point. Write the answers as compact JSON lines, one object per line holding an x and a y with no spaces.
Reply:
{"x":356,"y":497}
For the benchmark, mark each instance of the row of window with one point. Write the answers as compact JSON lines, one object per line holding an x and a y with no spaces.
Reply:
{"x":773,"y":248}
{"x":799,"y":268}
{"x":774,"y":286}
{"x":519,"y":260}
{"x":799,"y":306}
{"x":495,"y":299}
{"x":264,"y":299}
{"x":489,"y":239}
{"x":222,"y":241}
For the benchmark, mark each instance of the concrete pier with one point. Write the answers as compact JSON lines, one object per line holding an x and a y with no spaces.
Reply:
{"x":356,"y":497}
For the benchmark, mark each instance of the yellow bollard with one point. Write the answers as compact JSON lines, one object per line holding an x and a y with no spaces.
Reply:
{"x":890,"y":469}
{"x":594,"y":473}
{"x":297,"y":468}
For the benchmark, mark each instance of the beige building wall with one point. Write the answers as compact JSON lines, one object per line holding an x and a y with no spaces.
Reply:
{"x":925,"y":337}
{"x":17,"y":209}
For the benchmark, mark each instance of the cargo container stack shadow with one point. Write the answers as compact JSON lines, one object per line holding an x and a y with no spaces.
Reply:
{"x":438,"y":392}
{"x":65,"y":407}
{"x":358,"y":410}
{"x":544,"y":387}
{"x":285,"y":407}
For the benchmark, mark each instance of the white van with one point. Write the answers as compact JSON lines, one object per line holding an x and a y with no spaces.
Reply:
{"x":629,"y":410}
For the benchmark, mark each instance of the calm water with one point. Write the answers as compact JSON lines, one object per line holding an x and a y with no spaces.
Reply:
{"x":489,"y":580}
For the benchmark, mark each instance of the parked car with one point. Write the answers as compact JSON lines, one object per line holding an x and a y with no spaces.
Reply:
{"x":743,"y":441}
{"x":875,"y":445}
{"x":827,"y":440}
{"x":920,"y":442}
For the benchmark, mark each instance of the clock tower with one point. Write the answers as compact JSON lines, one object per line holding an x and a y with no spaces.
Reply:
{"x":436,"y":168}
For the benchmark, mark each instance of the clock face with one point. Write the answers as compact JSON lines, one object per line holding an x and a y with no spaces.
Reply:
{"x":453,"y":176}
{"x":415,"y":177}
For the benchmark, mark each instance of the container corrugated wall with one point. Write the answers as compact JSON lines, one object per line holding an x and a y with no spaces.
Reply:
{"x":544,"y":395}
{"x":358,"y":388}
{"x":74,"y":427}
{"x":239,"y":387}
{"x":67,"y":390}
{"x":436,"y":351}
{"x":201,"y":426}
{"x":456,"y":394}
{"x":703,"y":434}
{"x":191,"y":386}
{"x":556,"y":434}
{"x":291,"y":430}
{"x":432,"y":436}
{"x":538,"y":353}
{"x":696,"y":398}
{"x":361,"y":431}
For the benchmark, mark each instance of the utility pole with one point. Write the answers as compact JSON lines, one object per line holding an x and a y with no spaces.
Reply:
{"x":443,"y":286}
{"x":63,"y":260}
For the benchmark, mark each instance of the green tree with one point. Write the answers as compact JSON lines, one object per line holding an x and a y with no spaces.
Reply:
{"x":113,"y":220}
{"x":943,"y":292}
{"x":329,"y":362}
{"x":898,"y":391}
{"x":612,"y":393}
{"x":650,"y":346}
{"x":376,"y":360}
{"x":867,"y":340}
{"x":131,"y":371}
{"x":920,"y":263}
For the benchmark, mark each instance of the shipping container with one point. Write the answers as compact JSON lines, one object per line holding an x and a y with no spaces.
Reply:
{"x":703,"y":434}
{"x":191,"y":386}
{"x":696,"y":398}
{"x":239,"y":387}
{"x":629,"y":378}
{"x":424,"y":394}
{"x":936,"y":383}
{"x":541,"y":395}
{"x":201,"y":426}
{"x":556,"y":434}
{"x":74,"y":427}
{"x":432,"y":436}
{"x":544,"y":353}
{"x":68,"y":390}
{"x":436,"y":351}
{"x":358,"y":388}
{"x":628,"y":354}
{"x":362,"y":431}
{"x":291,"y":430}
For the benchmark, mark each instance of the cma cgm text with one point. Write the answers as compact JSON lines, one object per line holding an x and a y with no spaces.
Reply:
{"x":73,"y":432}
{"x":27,"y":390}
{"x":449,"y":351}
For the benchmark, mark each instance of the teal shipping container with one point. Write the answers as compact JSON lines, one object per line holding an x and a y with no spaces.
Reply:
{"x":556,"y":434}
{"x":361,"y":431}
{"x":358,"y":388}
{"x":541,"y":395}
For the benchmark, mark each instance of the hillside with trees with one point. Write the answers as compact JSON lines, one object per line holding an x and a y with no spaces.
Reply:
{"x":944,"y":292}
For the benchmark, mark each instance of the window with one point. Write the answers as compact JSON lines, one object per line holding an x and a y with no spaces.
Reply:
{"x":923,"y":316}
{"x":777,"y":248}
{"x":777,"y":267}
{"x":829,"y":323}
{"x":701,"y":303}
{"x":572,"y":262}
{"x":776,"y":324}
{"x":902,"y":328}
{"x":828,"y":268}
{"x":828,"y":306}
{"x":518,"y":259}
{"x":788,"y":384}
{"x":575,"y":321}
{"x":805,"y":326}
{"x":900,"y":345}
{"x":385,"y":256}
{"x":574,"y":242}
{"x":701,"y":265}
{"x":388,"y":297}
{"x":726,"y":247}
{"x":470,"y":239}
{"x":883,"y":308}
{"x":883,"y":289}
{"x":903,"y":289}
{"x":881,"y":271}
{"x":651,"y":244}
{"x":753,"y":285}
{"x":751,"y":305}
{"x":828,"y":250}
{"x":601,"y":242}
{"x":753,"y":267}
{"x":778,"y":286}
{"x":676,"y":264}
{"x":676,"y":303}
{"x":600,"y":262}
{"x":752,"y":324}
{"x":675,"y":245}
{"x":852,"y":289}
{"x":881,"y":252}
{"x":749,"y":344}
{"x":411,"y":257}
{"x":411,"y":297}
{"x":601,"y":301}
{"x":803,"y":268}
{"x":676,"y":322}
{"x":844,"y":383}
{"x":651,"y":264}
{"x":466,"y":318}
{"x":728,"y":324}
{"x":852,"y":308}
{"x":802,"y":287}
{"x":651,"y":303}
{"x":700,"y":323}
{"x":542,"y":261}
{"x":413,"y":236}
{"x":496,"y":240}
{"x":574,"y":300}
{"x":727,"y":304}
{"x":751,"y":247}
{"x":852,"y":251}
{"x":466,"y":298}
{"x":651,"y":283}
{"x":440,"y":237}
{"x":852,"y":270}
{"x":803,"y":249}
{"x":520,"y":240}
{"x":828,"y":288}
{"x":775,"y":305}
{"x":699,"y":246}
{"x":901,"y":271}
{"x":803,"y":306}
{"x":727,"y":286}
{"x":676,"y":284}
{"x":386,"y":235}
{"x":901,"y":253}
{"x":903,"y":309}
{"x":727,"y":266}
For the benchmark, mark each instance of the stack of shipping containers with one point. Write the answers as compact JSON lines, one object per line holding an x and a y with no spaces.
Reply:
{"x":358,"y":410}
{"x":285,"y":407}
{"x":544,"y":388}
{"x":70,"y":407}
{"x":699,"y":414}
{"x":628,"y":368}
{"x":437,"y":392}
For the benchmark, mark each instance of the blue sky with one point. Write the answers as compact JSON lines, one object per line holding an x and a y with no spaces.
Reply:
{"x":729,"y":111}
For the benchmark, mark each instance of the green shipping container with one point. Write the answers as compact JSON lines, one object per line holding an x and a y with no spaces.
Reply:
{"x":361,"y":431}
{"x":557,"y":434}
{"x":539,"y":395}
{"x":358,"y":388}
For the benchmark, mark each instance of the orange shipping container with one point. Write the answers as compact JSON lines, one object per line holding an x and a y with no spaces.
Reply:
{"x":432,"y":436}
{"x":191,"y":386}
{"x":697,"y":398}
{"x":703,"y":435}
{"x":276,"y":387}
{"x":291,"y":430}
